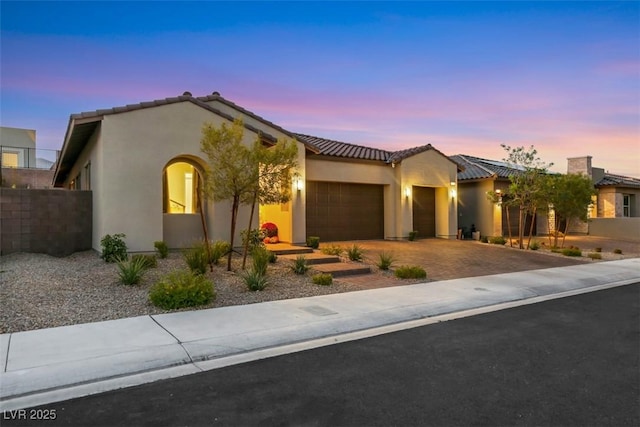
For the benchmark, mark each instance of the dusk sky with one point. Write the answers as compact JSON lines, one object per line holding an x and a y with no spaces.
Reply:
{"x":465,"y":77}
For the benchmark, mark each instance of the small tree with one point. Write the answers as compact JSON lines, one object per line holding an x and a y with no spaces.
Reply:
{"x":570,"y":196}
{"x":231,"y":171}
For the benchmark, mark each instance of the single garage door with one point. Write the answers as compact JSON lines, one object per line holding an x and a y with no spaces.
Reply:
{"x":344,"y":211}
{"x":424,"y":211}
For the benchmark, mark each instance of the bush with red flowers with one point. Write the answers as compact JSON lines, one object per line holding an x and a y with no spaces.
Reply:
{"x":270,"y":229}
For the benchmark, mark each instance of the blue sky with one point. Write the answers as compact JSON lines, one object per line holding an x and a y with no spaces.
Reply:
{"x":464,"y":77}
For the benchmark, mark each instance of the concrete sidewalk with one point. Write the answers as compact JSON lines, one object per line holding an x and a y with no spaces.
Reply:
{"x":56,"y":364}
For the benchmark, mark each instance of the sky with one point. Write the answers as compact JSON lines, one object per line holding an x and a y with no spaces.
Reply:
{"x":465,"y":77}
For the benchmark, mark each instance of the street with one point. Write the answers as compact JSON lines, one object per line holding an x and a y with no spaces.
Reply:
{"x":570,"y":361}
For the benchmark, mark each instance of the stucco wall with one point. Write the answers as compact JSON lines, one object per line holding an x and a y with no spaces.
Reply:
{"x":475,"y":208}
{"x":616,"y":228}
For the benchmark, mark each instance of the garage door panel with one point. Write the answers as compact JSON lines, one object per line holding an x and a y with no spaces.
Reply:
{"x":345,"y":211}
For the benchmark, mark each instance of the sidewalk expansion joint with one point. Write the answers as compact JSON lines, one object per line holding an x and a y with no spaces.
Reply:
{"x":6,"y":362}
{"x":191,"y":361}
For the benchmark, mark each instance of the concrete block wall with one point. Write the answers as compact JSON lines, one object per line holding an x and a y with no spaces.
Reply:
{"x":27,"y":178}
{"x":55,"y":222}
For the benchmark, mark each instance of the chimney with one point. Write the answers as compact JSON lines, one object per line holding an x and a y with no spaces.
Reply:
{"x":580,"y":165}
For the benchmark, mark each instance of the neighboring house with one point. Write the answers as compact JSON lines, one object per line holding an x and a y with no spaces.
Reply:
{"x":475,"y":210}
{"x":616,"y":210}
{"x":20,"y":165}
{"x":144,"y":167}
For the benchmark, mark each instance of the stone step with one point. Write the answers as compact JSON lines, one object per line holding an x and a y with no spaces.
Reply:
{"x":314,"y":258}
{"x":287,"y":249}
{"x":342,"y":269}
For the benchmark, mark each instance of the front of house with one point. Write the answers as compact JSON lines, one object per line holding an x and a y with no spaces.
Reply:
{"x":144,"y":167}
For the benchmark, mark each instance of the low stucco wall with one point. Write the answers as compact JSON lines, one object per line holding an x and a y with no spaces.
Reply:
{"x":615,"y":228}
{"x":55,"y":222}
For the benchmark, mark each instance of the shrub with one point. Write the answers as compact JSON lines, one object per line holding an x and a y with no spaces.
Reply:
{"x":617,"y":251}
{"x":534,"y":246}
{"x":410,"y":272}
{"x":497,"y":240}
{"x":255,"y":237}
{"x":182,"y":289}
{"x":269,"y":229}
{"x":597,"y":250}
{"x":149,"y":261}
{"x":162,"y":248}
{"x":113,"y":248}
{"x":332,"y":250}
{"x":217,"y":250}
{"x":272,"y":257}
{"x":260,"y":257}
{"x":196,"y":259}
{"x":313,"y":242}
{"x":324,"y":279}
{"x":413,"y":235}
{"x":571,"y":252}
{"x":355,"y":253}
{"x":131,"y":271}
{"x":300,"y":265}
{"x":484,"y":239}
{"x":386,"y":260}
{"x":254,"y":280}
{"x":595,"y":255}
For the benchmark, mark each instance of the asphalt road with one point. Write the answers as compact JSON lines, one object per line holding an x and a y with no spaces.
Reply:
{"x":572,"y":361}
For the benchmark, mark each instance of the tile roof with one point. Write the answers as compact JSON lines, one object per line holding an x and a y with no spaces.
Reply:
{"x":329,"y":147}
{"x":478,"y":168}
{"x":610,"y":179}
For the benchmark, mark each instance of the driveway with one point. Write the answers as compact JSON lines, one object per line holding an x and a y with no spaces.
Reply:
{"x":452,"y":259}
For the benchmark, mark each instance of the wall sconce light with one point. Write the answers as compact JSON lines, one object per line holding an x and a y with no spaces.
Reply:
{"x":299,"y":184}
{"x":407,"y":192}
{"x":454,"y":193}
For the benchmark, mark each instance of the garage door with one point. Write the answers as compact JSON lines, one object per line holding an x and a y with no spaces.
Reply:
{"x":344,"y":211}
{"x":424,"y":211}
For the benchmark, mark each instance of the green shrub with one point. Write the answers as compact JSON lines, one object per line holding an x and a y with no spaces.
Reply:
{"x":595,"y":255}
{"x":332,"y":250}
{"x":180,"y":289}
{"x":300,"y":265}
{"x":273,"y":257}
{"x":254,"y":280}
{"x":534,"y":246}
{"x":255,"y":238}
{"x":217,"y":250}
{"x":556,"y":250}
{"x":113,"y":248}
{"x":386,"y":260}
{"x":313,"y":242}
{"x":324,"y":279}
{"x":162,"y":248}
{"x":355,"y":253}
{"x":484,"y":239}
{"x":196,"y":259}
{"x":413,"y":235}
{"x":497,"y":240}
{"x":131,"y":271}
{"x":597,"y":250}
{"x":410,"y":272}
{"x":617,"y":251}
{"x":149,"y":261}
{"x":571,"y":252}
{"x":260,"y":257}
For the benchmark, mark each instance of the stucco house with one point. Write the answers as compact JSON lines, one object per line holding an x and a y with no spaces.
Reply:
{"x":143,"y":165}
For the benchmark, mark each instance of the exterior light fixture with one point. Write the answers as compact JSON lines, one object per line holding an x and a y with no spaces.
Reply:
{"x":299,"y":184}
{"x":453,"y":190}
{"x":407,"y":192}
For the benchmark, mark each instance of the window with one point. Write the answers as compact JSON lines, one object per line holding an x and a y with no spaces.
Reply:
{"x":626,"y":205}
{"x":9,"y":159}
{"x":181,"y":188}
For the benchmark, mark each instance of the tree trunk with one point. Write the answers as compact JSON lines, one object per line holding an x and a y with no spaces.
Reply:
{"x":234,"y":217}
{"x":533,"y":221}
{"x":550,"y":227}
{"x":566,"y":228}
{"x":509,"y":226}
{"x":246,"y":243}
{"x":206,"y":237}
{"x":521,"y":227}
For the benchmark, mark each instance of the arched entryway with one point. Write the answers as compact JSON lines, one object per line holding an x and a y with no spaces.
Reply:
{"x":182,"y":209}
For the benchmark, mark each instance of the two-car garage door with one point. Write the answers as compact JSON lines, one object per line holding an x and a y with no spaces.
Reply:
{"x":344,"y":211}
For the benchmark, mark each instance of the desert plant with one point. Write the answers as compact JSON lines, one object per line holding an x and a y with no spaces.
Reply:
{"x":597,"y":249}
{"x":300,"y":265}
{"x":534,"y":246}
{"x":196,"y":259}
{"x":617,"y":251}
{"x":413,"y":235}
{"x":355,"y":253}
{"x":217,"y":250}
{"x":313,"y":242}
{"x":260,"y":257}
{"x":180,"y":289}
{"x":386,"y":260}
{"x":497,"y":240}
{"x":571,"y":252}
{"x":484,"y":239}
{"x":323,"y":279}
{"x":254,"y":279}
{"x":113,"y":247}
{"x":162,"y":248}
{"x":149,"y":261}
{"x":273,"y":257}
{"x":595,"y":255}
{"x":410,"y":272}
{"x":332,"y":250}
{"x":131,"y":271}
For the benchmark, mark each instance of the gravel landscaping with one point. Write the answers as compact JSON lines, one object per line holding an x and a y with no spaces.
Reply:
{"x":39,"y":291}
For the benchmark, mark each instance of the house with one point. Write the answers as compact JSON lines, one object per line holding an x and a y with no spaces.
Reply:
{"x":143,"y":165}
{"x":478,"y":178}
{"x":21,"y":164}
{"x":616,"y":208}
